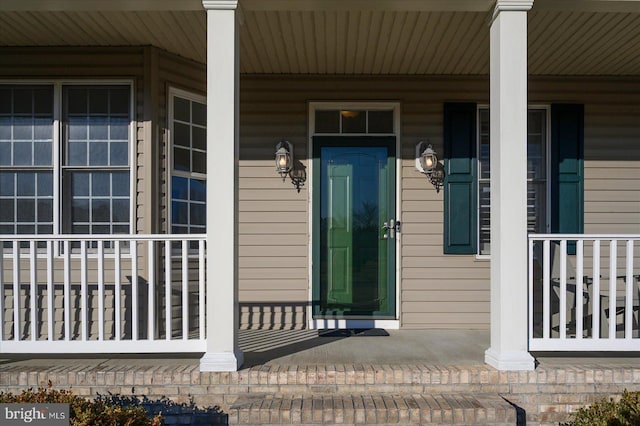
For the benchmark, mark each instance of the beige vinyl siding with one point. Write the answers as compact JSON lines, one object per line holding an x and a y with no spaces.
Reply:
{"x":436,"y":290}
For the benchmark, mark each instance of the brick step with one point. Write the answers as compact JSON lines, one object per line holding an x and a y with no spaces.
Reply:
{"x":372,"y":409}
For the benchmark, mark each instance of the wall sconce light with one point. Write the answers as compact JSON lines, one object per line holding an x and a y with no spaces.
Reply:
{"x":427,"y":163}
{"x":285,"y":165}
{"x":284,"y":158}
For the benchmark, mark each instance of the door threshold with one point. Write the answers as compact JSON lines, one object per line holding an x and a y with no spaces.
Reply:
{"x":332,"y":324}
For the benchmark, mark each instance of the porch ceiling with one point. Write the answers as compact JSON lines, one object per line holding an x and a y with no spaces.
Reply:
{"x":566,"y":37}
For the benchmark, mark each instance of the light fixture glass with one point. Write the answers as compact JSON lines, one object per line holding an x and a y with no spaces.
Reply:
{"x":284,"y":158}
{"x":427,"y":163}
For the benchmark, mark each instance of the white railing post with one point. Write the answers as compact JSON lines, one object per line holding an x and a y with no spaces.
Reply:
{"x":100,"y":290}
{"x":67,"y":290}
{"x":546,"y":289}
{"x":185,"y":290}
{"x":133,"y":244}
{"x":151,"y":288}
{"x":84,"y":306}
{"x":33,"y":277}
{"x":595,"y":322}
{"x":579,"y":288}
{"x":50,"y":291}
{"x":628,"y":313}
{"x":16,"y":290}
{"x":117,"y":290}
{"x":613,"y":267}
{"x":167,"y":288}
{"x":201,"y":290}
{"x":563,"y":289}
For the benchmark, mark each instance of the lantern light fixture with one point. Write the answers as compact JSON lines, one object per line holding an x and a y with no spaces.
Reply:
{"x":427,"y":163}
{"x":284,"y":158}
{"x":285,"y":165}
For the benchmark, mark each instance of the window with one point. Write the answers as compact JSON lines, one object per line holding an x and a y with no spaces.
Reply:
{"x":26,"y":173}
{"x":555,"y":174}
{"x":188,"y":121}
{"x":537,"y":166}
{"x":83,"y":129}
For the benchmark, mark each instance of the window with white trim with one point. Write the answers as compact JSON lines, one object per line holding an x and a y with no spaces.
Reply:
{"x":188,"y":130}
{"x":86,"y":130}
{"x":537,"y":171}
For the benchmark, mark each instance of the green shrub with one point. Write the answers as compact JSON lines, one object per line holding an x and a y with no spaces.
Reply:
{"x":610,"y":412}
{"x":83,"y":412}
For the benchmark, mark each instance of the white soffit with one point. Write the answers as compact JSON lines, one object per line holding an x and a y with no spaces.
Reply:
{"x":411,"y":37}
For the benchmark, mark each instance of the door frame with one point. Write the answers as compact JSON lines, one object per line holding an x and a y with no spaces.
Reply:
{"x":313,"y":106}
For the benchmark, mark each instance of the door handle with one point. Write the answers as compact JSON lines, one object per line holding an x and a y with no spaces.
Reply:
{"x":391,"y":226}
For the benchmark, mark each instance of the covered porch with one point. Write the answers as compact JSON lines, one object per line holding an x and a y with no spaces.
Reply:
{"x":261,"y":64}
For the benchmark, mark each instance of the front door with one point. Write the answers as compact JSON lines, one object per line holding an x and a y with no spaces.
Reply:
{"x":354,"y":227}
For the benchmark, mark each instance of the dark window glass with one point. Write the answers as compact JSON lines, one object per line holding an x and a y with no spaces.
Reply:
{"x":380,"y":121}
{"x":354,"y":121}
{"x":327,"y":121}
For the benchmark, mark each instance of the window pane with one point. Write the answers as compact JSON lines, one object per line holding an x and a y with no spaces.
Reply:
{"x":179,"y":188}
{"x":23,"y":128}
{"x":181,"y":160}
{"x":199,"y":162}
{"x":199,"y":112}
{"x":536,"y":207}
{"x":26,"y":184}
{"x":327,"y":121}
{"x":80,"y":184}
{"x":7,"y":183}
{"x":98,"y":154}
{"x":120,"y":183}
{"x":98,"y":101}
{"x":5,"y":128}
{"x":181,"y":109}
{"x":198,"y":214}
{"x":119,"y":101}
{"x":354,"y":121}
{"x":179,"y":212}
{"x":22,"y":154}
{"x":76,"y":101}
{"x":100,"y":210}
{"x":23,"y":101}
{"x":182,"y":135}
{"x":198,"y":190}
{"x":101,"y":229}
{"x":118,"y":154}
{"x":380,"y":122}
{"x":5,"y":153}
{"x":43,"y":101}
{"x":484,"y":219}
{"x":98,"y":128}
{"x":43,"y":129}
{"x":45,"y":210}
{"x":42,"y":154}
{"x":45,"y":183}
{"x":7,"y":210}
{"x":5,"y":100}
{"x":199,"y":138}
{"x":119,"y":128}
{"x":77,"y":154}
{"x":100,"y":185}
{"x":80,"y":211}
{"x":25,"y":229}
{"x":121,"y":211}
{"x":77,"y":128}
{"x":25,"y":210}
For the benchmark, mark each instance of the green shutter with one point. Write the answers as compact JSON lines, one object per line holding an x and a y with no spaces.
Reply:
{"x":460,"y":184}
{"x":567,"y":170}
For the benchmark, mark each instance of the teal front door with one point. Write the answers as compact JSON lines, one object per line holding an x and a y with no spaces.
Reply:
{"x":354,"y":227}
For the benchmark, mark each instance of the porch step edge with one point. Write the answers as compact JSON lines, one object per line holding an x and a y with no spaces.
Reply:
{"x":372,"y":409}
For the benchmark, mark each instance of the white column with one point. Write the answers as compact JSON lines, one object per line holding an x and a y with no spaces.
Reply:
{"x":222,"y":158}
{"x":508,"y":103}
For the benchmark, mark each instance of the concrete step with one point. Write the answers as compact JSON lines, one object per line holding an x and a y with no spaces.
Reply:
{"x":372,"y":409}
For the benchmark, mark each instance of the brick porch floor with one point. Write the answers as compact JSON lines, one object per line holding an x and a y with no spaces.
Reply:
{"x":459,"y":389}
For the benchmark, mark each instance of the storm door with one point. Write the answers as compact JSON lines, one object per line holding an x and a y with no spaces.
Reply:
{"x":354,"y":227}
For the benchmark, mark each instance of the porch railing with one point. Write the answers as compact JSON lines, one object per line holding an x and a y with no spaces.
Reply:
{"x":584,"y":292}
{"x":102,"y":294}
